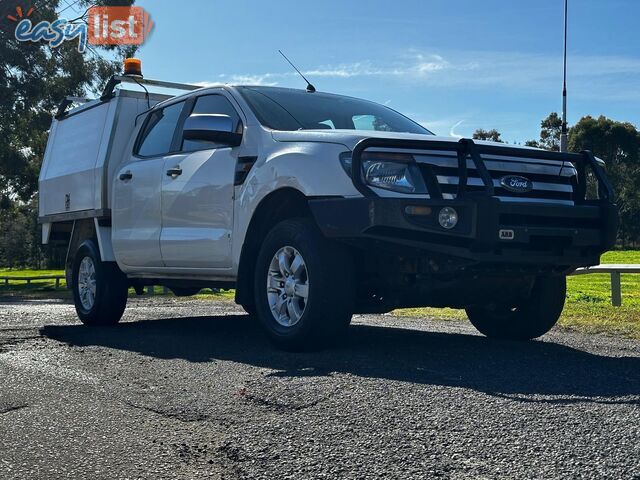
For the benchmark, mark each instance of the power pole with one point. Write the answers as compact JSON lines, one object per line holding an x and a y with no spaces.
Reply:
{"x":564,"y":140}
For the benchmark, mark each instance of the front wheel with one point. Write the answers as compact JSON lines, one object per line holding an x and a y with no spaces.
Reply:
{"x":99,"y":288}
{"x":304,"y":286}
{"x":522,"y":319}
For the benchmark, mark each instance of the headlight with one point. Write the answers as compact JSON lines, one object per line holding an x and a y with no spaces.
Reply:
{"x":400,"y":177}
{"x":396,"y":172}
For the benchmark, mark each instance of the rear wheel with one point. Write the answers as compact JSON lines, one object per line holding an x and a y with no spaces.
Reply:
{"x":99,"y":288}
{"x":523,"y":319}
{"x":304,"y":286}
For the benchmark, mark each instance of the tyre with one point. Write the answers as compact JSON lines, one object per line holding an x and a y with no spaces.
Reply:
{"x":99,"y":288}
{"x":303,"y":286}
{"x":523,"y":319}
{"x":250,"y":309}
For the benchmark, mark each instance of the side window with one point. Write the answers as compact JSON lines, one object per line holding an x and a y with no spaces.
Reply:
{"x":159,"y":130}
{"x":212,"y":104}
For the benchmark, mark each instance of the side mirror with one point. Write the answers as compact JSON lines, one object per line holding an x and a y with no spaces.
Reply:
{"x":211,"y":128}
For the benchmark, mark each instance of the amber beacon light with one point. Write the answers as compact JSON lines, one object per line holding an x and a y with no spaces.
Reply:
{"x":133,"y":66}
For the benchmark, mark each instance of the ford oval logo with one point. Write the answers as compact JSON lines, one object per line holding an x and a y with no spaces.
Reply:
{"x":516,"y":184}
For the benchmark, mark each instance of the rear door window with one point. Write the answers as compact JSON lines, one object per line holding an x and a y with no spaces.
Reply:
{"x":159,"y":130}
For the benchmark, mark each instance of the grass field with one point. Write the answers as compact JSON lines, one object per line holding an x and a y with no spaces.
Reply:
{"x":588,"y":307}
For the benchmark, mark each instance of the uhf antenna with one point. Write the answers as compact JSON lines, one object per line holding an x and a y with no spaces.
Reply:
{"x":310,"y":88}
{"x":563,"y":134}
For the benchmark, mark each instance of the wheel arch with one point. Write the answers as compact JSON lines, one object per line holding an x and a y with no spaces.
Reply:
{"x":281,"y":204}
{"x":88,"y":229}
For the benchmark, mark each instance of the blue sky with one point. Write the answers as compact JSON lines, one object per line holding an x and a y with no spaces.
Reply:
{"x":452,"y":65}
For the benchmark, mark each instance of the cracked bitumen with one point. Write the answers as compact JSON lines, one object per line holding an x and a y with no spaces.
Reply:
{"x":192,"y":389}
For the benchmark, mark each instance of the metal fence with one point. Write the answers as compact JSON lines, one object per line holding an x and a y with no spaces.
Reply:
{"x":57,"y":279}
{"x":28,"y":280}
{"x":615,"y":270}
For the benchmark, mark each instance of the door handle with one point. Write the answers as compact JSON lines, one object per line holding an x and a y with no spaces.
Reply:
{"x":126,"y":175}
{"x":174,"y":172}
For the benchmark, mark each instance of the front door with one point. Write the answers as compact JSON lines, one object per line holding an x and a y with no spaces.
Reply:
{"x":197,"y":209}
{"x":197,"y":197}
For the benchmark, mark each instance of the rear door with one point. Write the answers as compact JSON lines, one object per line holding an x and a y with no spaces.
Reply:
{"x":197,"y":195}
{"x":136,"y":201}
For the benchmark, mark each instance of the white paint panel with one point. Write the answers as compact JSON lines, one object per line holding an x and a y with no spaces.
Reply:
{"x":78,"y":139}
{"x":136,"y":218}
{"x":68,"y":181}
{"x":197,"y":209}
{"x":85,"y":149}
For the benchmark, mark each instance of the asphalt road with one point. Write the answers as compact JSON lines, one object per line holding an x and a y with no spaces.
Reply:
{"x":191,"y":389}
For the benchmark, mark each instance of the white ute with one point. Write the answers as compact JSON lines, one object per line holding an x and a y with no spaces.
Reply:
{"x":313,"y":207}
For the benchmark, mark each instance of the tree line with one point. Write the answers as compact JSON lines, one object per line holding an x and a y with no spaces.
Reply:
{"x":34,"y":78}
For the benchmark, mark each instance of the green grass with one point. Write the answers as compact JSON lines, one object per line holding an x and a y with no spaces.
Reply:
{"x":626,"y":256}
{"x":204,"y":294}
{"x":207,"y":294}
{"x":588,"y":308}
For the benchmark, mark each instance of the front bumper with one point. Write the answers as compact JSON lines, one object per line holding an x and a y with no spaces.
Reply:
{"x":544,"y":235}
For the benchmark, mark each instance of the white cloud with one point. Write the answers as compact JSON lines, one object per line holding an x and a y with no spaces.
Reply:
{"x":430,"y":63}
{"x":452,"y":131}
{"x":206,"y":84}
{"x":609,"y":77}
{"x":445,"y":126}
{"x":248,"y":79}
{"x":416,"y":66}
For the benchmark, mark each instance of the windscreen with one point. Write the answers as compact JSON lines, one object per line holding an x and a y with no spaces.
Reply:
{"x":289,"y":109}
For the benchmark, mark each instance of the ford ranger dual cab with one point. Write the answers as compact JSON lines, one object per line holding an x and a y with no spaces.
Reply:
{"x":313,"y":207}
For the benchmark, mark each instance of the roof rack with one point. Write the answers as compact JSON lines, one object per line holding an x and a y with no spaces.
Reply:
{"x":115,"y":80}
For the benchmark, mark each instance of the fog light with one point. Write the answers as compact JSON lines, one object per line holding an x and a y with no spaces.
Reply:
{"x":448,"y":218}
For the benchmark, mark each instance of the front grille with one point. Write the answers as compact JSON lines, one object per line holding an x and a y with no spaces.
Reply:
{"x":553,"y":181}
